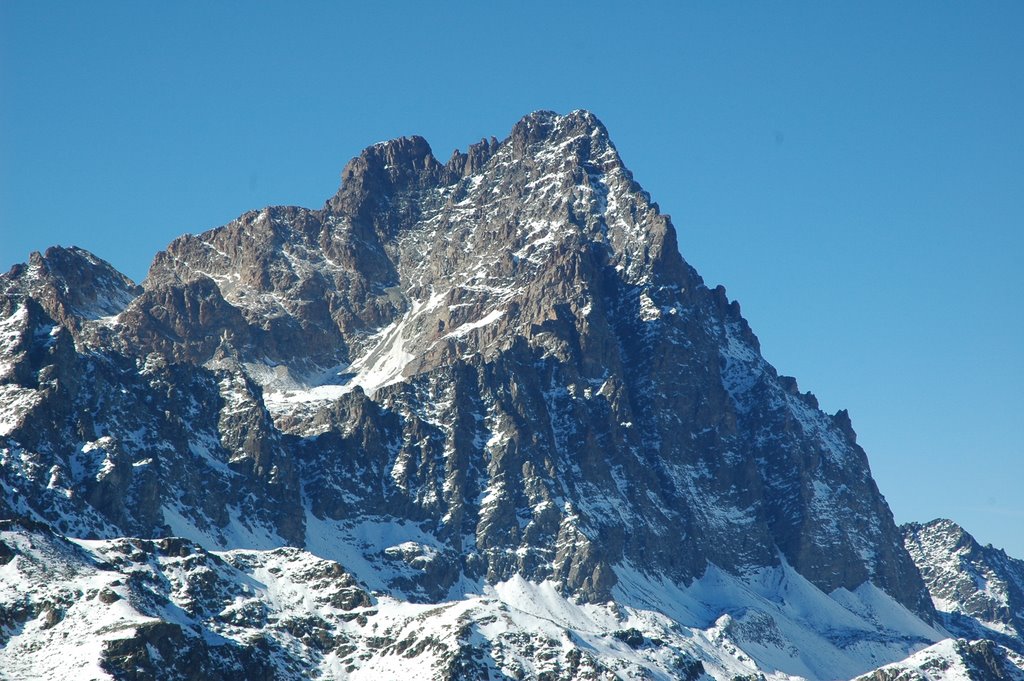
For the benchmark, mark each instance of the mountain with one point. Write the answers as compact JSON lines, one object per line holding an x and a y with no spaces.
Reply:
{"x":977,"y":590}
{"x":471,"y":419}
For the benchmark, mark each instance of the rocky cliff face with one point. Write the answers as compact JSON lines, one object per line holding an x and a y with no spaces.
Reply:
{"x":451,"y":377}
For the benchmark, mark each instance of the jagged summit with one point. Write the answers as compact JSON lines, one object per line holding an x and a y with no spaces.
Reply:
{"x":384,"y":168}
{"x":978,"y":590}
{"x":72,"y":284}
{"x":492,"y":392}
{"x":407,"y":162}
{"x":547,"y":255}
{"x":403,"y":228}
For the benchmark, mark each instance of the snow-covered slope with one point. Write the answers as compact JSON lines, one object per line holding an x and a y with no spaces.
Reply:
{"x":115,"y":605}
{"x":955,"y":660}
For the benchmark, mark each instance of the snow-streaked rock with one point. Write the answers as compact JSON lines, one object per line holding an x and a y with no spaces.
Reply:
{"x":978,"y":590}
{"x":286,"y":613}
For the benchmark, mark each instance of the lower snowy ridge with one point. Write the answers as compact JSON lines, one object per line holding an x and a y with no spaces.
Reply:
{"x":170,"y":609}
{"x":955,"y":659}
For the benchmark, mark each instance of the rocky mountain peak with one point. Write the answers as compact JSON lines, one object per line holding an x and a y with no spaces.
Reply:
{"x":949,"y":533}
{"x":423,"y":285}
{"x":552,"y":128}
{"x":72,"y":285}
{"x":487,"y":396}
{"x":978,"y":590}
{"x":408,"y":162}
{"x":551,"y":205}
{"x":383,"y":169}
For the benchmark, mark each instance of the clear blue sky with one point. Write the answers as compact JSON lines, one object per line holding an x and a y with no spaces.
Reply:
{"x":852,"y":172}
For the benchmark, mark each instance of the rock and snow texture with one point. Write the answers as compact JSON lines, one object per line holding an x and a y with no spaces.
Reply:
{"x":977,"y":590}
{"x":491,"y":389}
{"x":955,"y":660}
{"x":120,"y":606}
